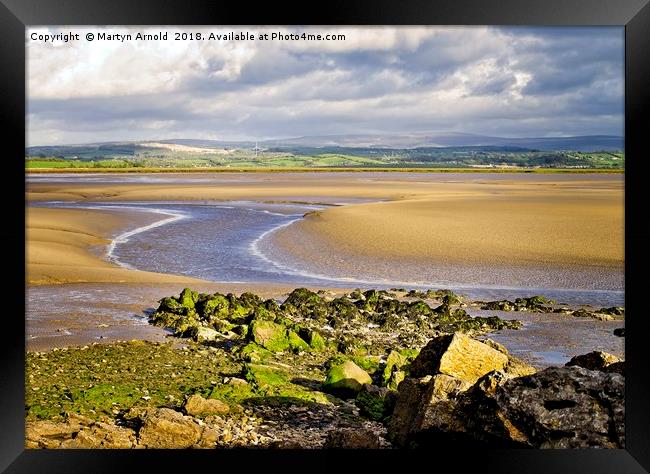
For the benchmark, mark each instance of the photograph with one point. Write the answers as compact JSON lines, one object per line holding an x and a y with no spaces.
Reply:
{"x":358,"y":237}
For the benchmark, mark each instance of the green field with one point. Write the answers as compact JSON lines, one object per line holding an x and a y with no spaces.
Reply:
{"x":481,"y":158}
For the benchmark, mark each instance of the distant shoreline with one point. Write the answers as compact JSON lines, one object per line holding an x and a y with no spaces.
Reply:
{"x":321,"y":170}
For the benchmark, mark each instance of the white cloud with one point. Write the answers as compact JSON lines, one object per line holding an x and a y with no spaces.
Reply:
{"x":475,"y":79}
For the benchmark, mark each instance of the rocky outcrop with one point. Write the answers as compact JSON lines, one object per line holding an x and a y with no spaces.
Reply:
{"x":445,"y":367}
{"x":308,"y":321}
{"x":540,"y":304}
{"x":534,"y":303}
{"x":459,"y":356}
{"x":559,"y":407}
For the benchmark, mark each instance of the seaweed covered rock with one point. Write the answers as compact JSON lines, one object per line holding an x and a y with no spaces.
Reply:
{"x":613,"y":311}
{"x":583,"y":313}
{"x":306,"y":303}
{"x":345,"y":379}
{"x":534,"y":303}
{"x":375,"y":402}
{"x":596,"y":360}
{"x":269,"y":335}
{"x":395,"y":369}
{"x":446,"y":296}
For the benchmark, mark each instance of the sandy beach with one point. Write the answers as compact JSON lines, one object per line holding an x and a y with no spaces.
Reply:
{"x":538,"y":227}
{"x":537,"y":221}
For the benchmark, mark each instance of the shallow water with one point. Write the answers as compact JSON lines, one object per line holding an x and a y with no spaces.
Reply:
{"x":231,"y":241}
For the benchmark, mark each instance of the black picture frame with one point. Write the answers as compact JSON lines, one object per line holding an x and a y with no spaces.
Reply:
{"x":15,"y":15}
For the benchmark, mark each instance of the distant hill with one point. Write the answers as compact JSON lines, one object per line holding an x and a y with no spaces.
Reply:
{"x":443,"y":140}
{"x":587,"y":143}
{"x":396,"y":150}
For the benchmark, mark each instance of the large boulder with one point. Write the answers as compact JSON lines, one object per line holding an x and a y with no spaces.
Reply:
{"x":559,"y":407}
{"x":415,"y":396}
{"x":595,"y":360}
{"x":457,"y":355}
{"x":166,"y":428}
{"x":345,"y":379}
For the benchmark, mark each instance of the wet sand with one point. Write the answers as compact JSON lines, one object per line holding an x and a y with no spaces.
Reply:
{"x":549,"y":234}
{"x":77,"y":314}
{"x":66,"y":246}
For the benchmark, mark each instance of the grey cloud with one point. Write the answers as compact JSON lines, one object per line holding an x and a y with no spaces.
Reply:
{"x":575,"y":87}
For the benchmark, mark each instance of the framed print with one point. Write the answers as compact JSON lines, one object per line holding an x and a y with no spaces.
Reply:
{"x":377,"y":233}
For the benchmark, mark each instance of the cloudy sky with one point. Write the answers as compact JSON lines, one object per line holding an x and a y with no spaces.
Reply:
{"x":512,"y":82}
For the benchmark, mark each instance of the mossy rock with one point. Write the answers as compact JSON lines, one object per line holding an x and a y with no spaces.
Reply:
{"x":269,"y":335}
{"x":367,"y":362}
{"x":314,"y":339}
{"x":394,"y":371}
{"x":296,"y":343}
{"x":375,"y":403}
{"x":346,"y":379}
{"x":188,"y":298}
{"x":306,"y":303}
{"x":274,"y":384}
{"x":169,"y":304}
{"x":343,"y":308}
{"x":252,"y":352}
{"x":216,"y":307}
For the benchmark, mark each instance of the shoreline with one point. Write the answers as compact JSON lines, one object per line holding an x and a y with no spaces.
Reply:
{"x":56,"y":235}
{"x":324,"y":170}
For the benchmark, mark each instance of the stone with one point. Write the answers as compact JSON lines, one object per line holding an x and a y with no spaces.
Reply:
{"x":101,"y":435}
{"x":620,"y":332}
{"x":346,"y":379}
{"x":306,"y":303}
{"x":269,"y":335}
{"x":559,"y":407}
{"x":616,"y":368}
{"x":188,"y":298}
{"x":196,"y":405}
{"x":595,"y":360}
{"x":296,"y":343}
{"x":583,"y":313}
{"x":375,"y":402}
{"x":77,"y":432}
{"x":352,"y":439}
{"x":414,"y":397}
{"x":459,"y":356}
{"x":202,"y":334}
{"x":166,"y":428}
